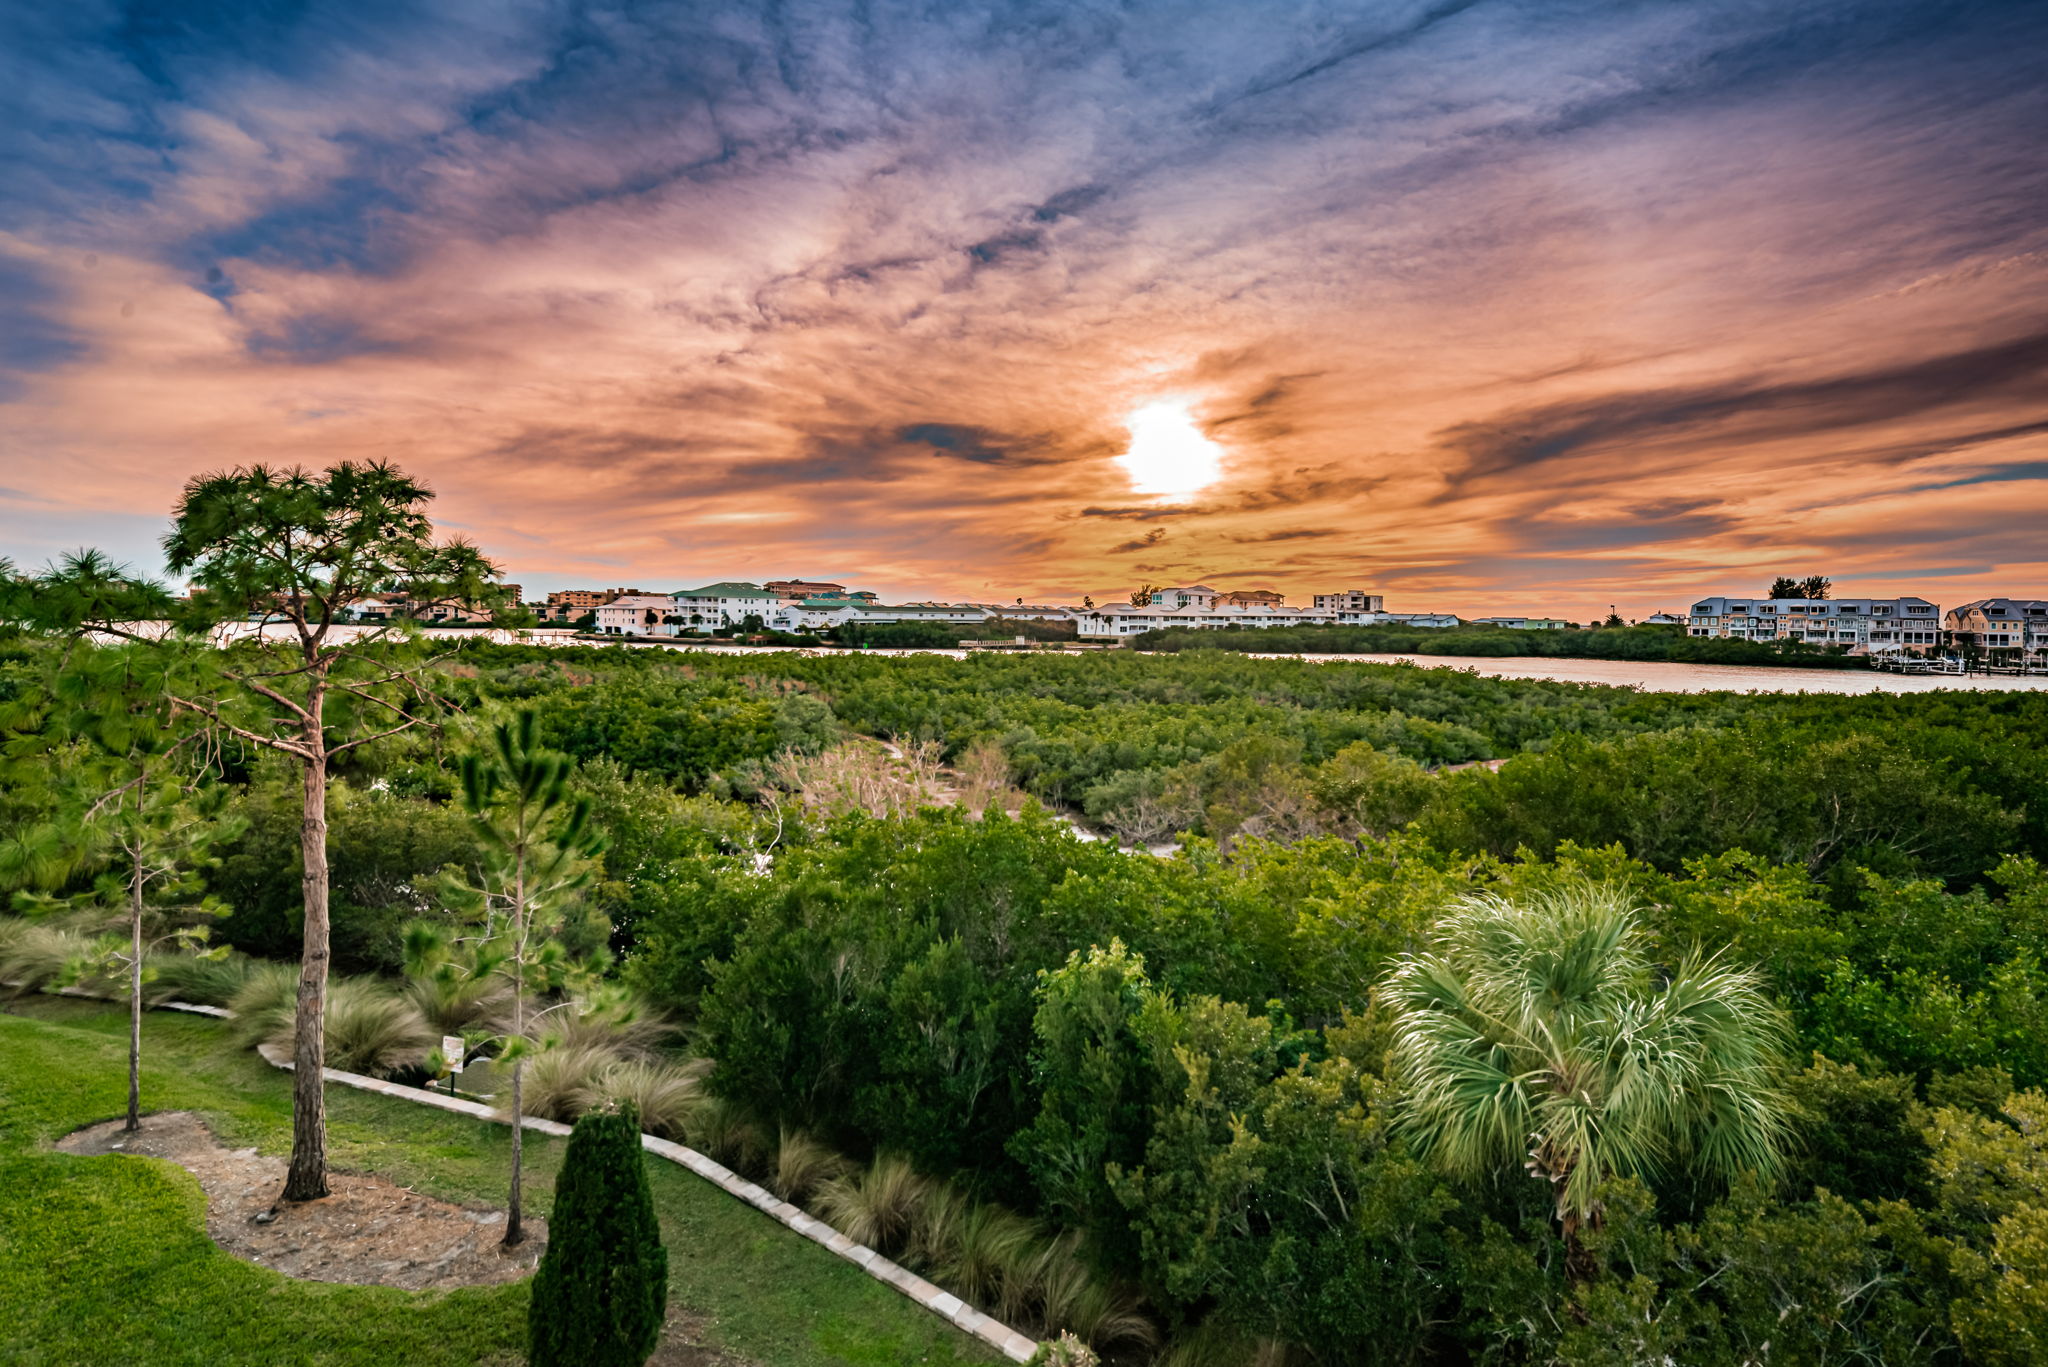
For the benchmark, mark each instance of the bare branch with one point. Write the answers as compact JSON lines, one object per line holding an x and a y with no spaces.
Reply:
{"x":365,"y":740}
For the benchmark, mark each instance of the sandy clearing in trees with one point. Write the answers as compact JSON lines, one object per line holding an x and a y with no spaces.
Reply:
{"x":368,"y":1231}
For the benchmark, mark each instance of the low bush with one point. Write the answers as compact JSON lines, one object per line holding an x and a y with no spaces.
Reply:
{"x":601,"y":1291}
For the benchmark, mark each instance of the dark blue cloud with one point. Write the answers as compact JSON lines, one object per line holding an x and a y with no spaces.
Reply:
{"x":32,"y":339}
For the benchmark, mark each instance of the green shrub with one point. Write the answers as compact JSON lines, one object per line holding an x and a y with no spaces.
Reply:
{"x":601,"y":1292}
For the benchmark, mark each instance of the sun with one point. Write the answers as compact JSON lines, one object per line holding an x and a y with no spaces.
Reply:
{"x":1169,"y":456}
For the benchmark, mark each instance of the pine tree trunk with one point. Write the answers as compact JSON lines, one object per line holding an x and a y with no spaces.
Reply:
{"x":515,"y":1231}
{"x":135,"y":995}
{"x":306,"y":1179}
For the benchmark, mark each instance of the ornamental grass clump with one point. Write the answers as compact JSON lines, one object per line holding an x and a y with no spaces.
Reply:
{"x":370,"y":1028}
{"x":802,"y":1165}
{"x":722,"y":1130}
{"x":878,"y":1207}
{"x":663,"y":1095}
{"x":200,"y":979}
{"x":601,"y":1291}
{"x":987,"y":1244}
{"x":37,"y":955}
{"x":561,"y":1082}
{"x":263,"y":1003}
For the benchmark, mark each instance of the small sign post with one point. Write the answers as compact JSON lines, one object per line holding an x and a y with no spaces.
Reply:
{"x":452,"y":1050}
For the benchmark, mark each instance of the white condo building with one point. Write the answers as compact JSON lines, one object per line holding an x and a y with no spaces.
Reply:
{"x":1874,"y":626}
{"x":636,"y":614}
{"x":725,"y":604}
{"x":1121,"y":621}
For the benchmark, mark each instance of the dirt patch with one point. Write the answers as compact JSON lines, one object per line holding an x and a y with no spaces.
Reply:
{"x":367,"y":1230}
{"x":682,"y":1344}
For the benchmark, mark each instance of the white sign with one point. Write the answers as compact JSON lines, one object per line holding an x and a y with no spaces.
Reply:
{"x":451,"y":1049}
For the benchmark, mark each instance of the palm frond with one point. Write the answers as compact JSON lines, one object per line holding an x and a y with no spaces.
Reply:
{"x":1537,"y":1033}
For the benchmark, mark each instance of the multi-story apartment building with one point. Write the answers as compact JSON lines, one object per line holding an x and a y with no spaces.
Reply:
{"x":1250,"y":598}
{"x":1880,"y":626}
{"x":796,"y":590}
{"x":636,"y":614}
{"x":823,"y":614}
{"x":2002,"y":628}
{"x":1196,"y":596}
{"x":566,"y":605}
{"x":1351,"y":600}
{"x":394,"y":606}
{"x":1122,"y":620}
{"x":726,"y":604}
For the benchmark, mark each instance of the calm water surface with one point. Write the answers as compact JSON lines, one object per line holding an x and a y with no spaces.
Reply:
{"x":1652,"y":676}
{"x":1662,"y":677}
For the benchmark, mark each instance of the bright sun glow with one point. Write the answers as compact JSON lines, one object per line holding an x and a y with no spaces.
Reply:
{"x":1168,"y":453}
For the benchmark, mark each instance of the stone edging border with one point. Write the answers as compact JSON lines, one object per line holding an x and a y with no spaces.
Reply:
{"x":1015,"y":1346}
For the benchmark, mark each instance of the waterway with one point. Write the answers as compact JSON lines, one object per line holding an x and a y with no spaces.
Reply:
{"x":1653,"y":676}
{"x":1658,"y":676}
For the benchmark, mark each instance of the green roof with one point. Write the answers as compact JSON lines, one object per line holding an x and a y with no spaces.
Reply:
{"x":727,"y":589}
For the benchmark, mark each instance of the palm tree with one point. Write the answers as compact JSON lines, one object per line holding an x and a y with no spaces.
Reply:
{"x":1539,"y":1031}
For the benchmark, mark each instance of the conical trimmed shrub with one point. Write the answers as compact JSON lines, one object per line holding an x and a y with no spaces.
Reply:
{"x":601,"y":1293}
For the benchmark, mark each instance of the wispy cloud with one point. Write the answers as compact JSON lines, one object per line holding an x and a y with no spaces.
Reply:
{"x":1505,"y":303}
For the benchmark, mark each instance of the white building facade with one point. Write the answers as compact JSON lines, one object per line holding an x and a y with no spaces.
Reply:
{"x":728,"y":604}
{"x":636,"y":614}
{"x":1867,"y":626}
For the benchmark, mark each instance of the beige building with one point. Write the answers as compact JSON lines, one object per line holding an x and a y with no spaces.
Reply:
{"x":1251,"y":598}
{"x":796,"y":590}
{"x":1351,"y":600}
{"x":2014,"y":629}
{"x":565,"y":605}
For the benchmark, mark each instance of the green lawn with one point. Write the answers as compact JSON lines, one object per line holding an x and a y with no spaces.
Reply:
{"x":106,"y":1260}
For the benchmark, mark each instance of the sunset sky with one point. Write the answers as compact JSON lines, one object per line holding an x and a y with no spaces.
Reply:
{"x":1536,"y":305}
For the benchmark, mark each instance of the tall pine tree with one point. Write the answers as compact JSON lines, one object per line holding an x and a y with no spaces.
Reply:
{"x":537,"y":852}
